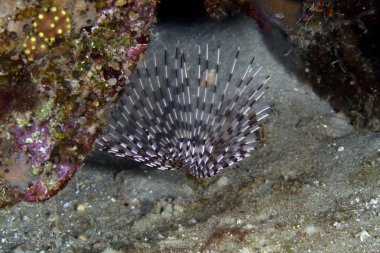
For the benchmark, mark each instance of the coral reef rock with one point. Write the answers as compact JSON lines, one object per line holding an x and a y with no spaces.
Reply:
{"x":335,"y":43}
{"x":63,"y":65}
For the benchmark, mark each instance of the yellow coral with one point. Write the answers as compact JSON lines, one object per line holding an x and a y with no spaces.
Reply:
{"x":52,"y":23}
{"x":34,"y":47}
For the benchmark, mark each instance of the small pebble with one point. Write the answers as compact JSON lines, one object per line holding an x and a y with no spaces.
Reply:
{"x":81,"y":207}
{"x":373,"y":202}
{"x":222,"y":182}
{"x":112,"y":81}
{"x":340,"y":149}
{"x":337,"y":224}
{"x":82,"y":238}
{"x":311,"y":229}
{"x":248,"y":227}
{"x":363,"y":235}
{"x":66,"y":205}
{"x":110,"y":250}
{"x":192,"y":221}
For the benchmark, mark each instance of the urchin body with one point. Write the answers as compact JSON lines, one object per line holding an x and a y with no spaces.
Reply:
{"x":169,"y":118}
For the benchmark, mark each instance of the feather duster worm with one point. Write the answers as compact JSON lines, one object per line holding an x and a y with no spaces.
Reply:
{"x":176,"y":116}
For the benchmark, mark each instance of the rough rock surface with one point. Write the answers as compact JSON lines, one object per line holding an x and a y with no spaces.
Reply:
{"x":335,"y":42}
{"x":62,"y":67}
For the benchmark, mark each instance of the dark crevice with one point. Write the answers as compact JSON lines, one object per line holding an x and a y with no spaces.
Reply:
{"x":182,"y":11}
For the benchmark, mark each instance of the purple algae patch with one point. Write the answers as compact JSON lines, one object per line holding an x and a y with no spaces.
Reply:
{"x":36,"y":141}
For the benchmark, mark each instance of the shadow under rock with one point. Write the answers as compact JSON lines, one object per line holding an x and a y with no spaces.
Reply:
{"x":101,"y":160}
{"x":282,"y":50}
{"x":181,"y":11}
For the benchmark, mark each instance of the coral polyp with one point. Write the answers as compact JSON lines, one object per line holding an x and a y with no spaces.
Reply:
{"x":47,"y":26}
{"x":52,"y":23}
{"x":34,"y":48}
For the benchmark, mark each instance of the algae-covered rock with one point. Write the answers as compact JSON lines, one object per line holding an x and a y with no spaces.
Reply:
{"x":63,"y":65}
{"x":338,"y":44}
{"x":335,"y":43}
